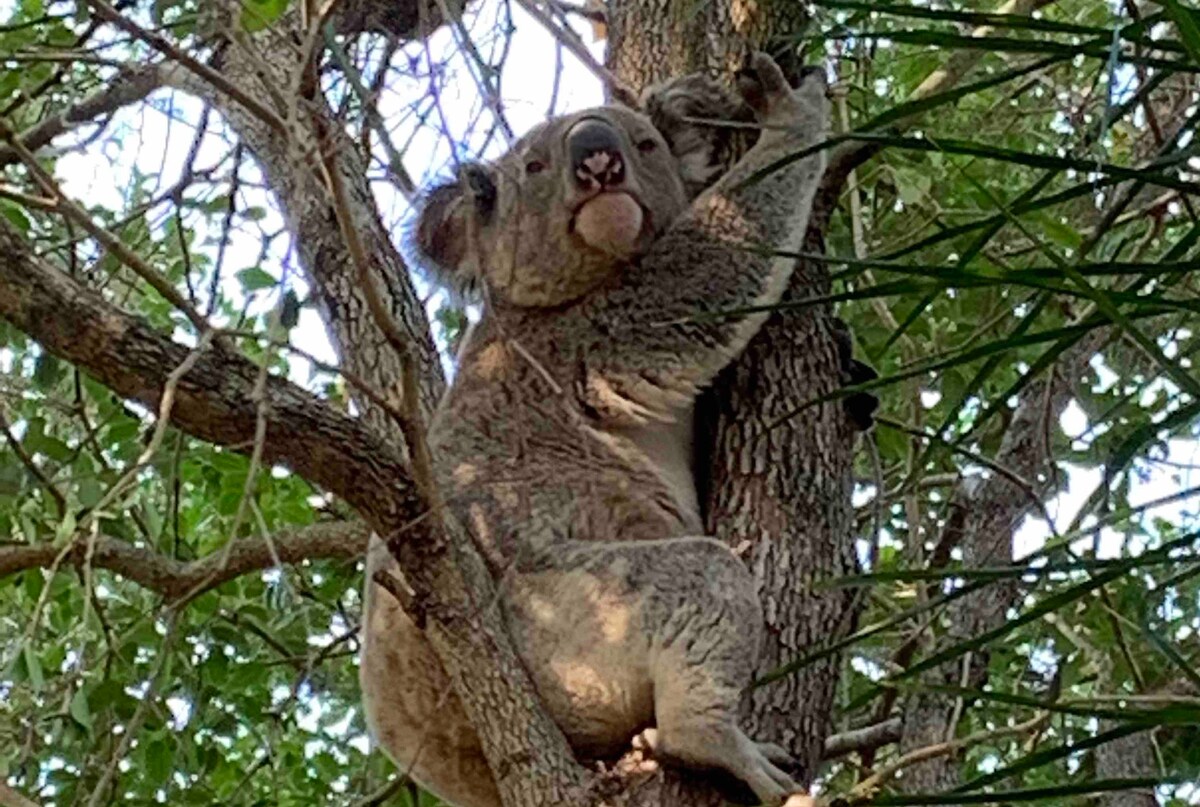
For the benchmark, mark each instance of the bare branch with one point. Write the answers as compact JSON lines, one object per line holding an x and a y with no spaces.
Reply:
{"x":173,"y":578}
{"x":215,"y":400}
{"x":108,"y":13}
{"x":865,"y":738}
{"x":571,"y":42}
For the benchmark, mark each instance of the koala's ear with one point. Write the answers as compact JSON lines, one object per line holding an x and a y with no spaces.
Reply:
{"x":441,"y":235}
{"x":704,"y":151}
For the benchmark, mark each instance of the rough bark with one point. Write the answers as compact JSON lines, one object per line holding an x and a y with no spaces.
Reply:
{"x":292,"y":169}
{"x":779,"y":485}
{"x":1130,"y":757}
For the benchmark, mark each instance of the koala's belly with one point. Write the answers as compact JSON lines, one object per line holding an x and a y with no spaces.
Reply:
{"x":668,"y":448}
{"x":581,"y":636}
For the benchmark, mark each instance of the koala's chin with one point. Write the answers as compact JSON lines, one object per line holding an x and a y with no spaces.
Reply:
{"x":612,"y":223}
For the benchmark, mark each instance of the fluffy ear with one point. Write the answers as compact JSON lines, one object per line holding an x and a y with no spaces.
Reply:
{"x":705,"y":151}
{"x":442,"y":233}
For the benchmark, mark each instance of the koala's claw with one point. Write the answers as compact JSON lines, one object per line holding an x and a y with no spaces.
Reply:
{"x":765,"y":89}
{"x":762,"y":82}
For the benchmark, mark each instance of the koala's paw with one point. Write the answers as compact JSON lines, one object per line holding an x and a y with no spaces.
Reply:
{"x":775,"y":102}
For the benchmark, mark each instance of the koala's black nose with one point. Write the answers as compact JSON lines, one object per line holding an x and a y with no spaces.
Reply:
{"x":594,"y":149}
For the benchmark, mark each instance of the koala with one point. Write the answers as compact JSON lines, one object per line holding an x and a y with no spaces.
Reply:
{"x":610,"y":300}
{"x":706,"y":129}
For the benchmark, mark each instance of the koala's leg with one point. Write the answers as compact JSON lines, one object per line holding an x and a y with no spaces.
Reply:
{"x":410,"y":705}
{"x":706,"y":622}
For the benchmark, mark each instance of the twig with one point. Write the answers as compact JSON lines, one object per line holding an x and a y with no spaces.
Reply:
{"x":571,"y":42}
{"x":867,"y":737}
{"x":106,"y":12}
{"x":863,"y":790}
{"x":106,"y":239}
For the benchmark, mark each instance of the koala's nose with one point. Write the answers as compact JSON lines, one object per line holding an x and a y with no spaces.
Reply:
{"x":594,"y":149}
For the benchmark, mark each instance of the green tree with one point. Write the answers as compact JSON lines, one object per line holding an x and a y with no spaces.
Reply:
{"x":1008,"y":223}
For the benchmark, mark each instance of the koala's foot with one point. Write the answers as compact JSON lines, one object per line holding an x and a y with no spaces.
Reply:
{"x":703,"y":744}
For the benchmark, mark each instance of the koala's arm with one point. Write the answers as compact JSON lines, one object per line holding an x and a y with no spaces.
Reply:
{"x":688,"y":308}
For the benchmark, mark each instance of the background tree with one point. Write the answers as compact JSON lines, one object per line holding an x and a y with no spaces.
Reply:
{"x":1008,"y":223}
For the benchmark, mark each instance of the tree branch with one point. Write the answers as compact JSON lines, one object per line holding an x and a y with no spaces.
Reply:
{"x":216,"y":399}
{"x":173,"y":578}
{"x":130,"y":85}
{"x":865,"y":738}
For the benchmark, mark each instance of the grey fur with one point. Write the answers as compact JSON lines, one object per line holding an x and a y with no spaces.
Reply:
{"x":564,"y":446}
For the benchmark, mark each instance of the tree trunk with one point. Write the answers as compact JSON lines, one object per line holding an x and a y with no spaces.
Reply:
{"x":779,"y":483}
{"x":302,"y":192}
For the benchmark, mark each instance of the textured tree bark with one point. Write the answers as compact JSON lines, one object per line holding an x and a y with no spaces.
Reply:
{"x":293,"y":171}
{"x":779,"y":485}
{"x":1130,"y":757}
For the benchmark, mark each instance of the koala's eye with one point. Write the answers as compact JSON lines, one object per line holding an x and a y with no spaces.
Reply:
{"x":646,"y":146}
{"x":535,"y":167}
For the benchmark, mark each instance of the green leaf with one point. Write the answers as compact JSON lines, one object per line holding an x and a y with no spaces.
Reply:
{"x":1189,"y":28}
{"x":80,"y":711}
{"x":159,"y":761}
{"x":33,"y":667}
{"x":256,"y":278}
{"x":259,"y":14}
{"x":15,"y":215}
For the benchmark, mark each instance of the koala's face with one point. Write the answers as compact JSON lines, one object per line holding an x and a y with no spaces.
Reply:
{"x":562,"y":211}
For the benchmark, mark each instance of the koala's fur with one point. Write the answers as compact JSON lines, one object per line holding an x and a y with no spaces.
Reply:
{"x":564,"y":444}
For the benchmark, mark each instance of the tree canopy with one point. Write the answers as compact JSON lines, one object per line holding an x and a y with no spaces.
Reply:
{"x":1012,"y":238}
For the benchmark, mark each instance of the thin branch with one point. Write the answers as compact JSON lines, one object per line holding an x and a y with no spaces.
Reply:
{"x":172,"y":578}
{"x":863,"y":790}
{"x":130,"y":85}
{"x":571,"y":42}
{"x":863,"y":739}
{"x":106,"y":12}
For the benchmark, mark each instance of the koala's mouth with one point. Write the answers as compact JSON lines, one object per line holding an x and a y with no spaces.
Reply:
{"x":613,"y":222}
